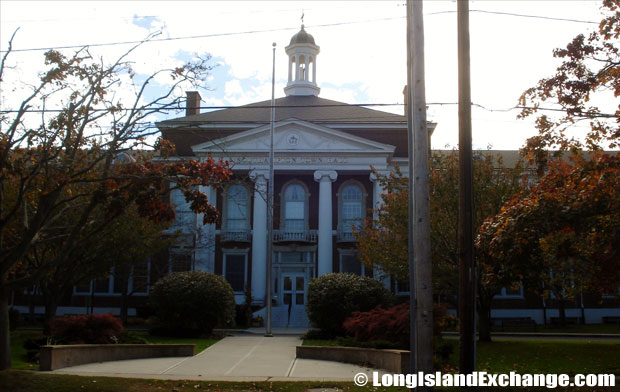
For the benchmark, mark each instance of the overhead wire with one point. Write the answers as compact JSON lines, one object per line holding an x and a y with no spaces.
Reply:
{"x":153,"y":40}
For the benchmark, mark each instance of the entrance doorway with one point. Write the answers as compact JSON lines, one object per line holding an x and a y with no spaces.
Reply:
{"x":293,"y":289}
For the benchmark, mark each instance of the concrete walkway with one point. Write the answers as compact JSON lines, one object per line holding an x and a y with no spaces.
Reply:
{"x":234,"y":358}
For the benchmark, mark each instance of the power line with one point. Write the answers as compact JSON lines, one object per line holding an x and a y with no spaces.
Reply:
{"x":290,"y":28}
{"x":610,"y":115}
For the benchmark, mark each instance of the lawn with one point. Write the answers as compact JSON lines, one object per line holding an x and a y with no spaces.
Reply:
{"x":18,"y":353}
{"x":21,"y":381}
{"x":536,"y":356}
{"x":578,"y":328}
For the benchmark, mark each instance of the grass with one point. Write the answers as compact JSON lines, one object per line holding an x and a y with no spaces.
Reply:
{"x":548,"y":356}
{"x":21,"y":381}
{"x":588,"y":328}
{"x":536,"y":356}
{"x":18,"y":353}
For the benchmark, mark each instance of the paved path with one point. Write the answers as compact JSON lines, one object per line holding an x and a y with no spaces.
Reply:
{"x":234,"y":358}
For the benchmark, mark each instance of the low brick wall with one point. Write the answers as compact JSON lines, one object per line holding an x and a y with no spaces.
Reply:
{"x":58,"y":357}
{"x":394,"y":361}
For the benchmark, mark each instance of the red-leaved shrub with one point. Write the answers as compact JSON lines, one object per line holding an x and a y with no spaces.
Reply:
{"x":87,"y":329}
{"x":391,"y":324}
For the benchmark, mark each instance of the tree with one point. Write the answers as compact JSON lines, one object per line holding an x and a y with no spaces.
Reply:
{"x":588,"y":77}
{"x":563,"y":236}
{"x":384,"y":241}
{"x":119,"y":249}
{"x":52,"y":159}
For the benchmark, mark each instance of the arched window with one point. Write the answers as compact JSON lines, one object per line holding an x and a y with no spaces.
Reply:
{"x":237,"y":210}
{"x":294,"y":208}
{"x":351,"y":207}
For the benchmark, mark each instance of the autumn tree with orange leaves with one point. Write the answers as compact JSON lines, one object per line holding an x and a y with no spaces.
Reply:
{"x":58,"y":147}
{"x":563,"y":236}
{"x":584,"y":89}
{"x":384,"y":241}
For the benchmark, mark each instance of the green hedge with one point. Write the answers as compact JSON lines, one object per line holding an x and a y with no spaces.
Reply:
{"x":332,"y":298}
{"x":193,"y":300}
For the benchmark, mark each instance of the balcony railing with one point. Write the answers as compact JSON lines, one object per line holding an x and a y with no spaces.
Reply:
{"x":236,"y":236}
{"x":299,"y":235}
{"x":345,"y":236}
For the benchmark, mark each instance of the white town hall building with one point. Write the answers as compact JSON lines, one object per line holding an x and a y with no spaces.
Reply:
{"x":323,"y":186}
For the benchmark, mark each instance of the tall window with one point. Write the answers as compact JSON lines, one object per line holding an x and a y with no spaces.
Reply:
{"x":184,"y":216}
{"x":180,"y":261}
{"x":235,"y":265}
{"x":294,"y":208}
{"x":349,"y":263}
{"x":237,"y":208}
{"x":352,"y":209}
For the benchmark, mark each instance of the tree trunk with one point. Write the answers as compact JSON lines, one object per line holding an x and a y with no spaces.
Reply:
{"x":562,"y":311}
{"x":51,"y":305}
{"x":124,"y":306}
{"x":5,"y":337}
{"x":484,"y":318}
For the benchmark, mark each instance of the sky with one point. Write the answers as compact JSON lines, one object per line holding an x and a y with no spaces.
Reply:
{"x":362,"y":58}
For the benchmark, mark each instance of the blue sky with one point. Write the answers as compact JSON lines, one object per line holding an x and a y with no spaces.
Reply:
{"x":362,"y":57}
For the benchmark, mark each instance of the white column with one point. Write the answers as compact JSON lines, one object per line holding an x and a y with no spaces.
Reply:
{"x":314,"y":70}
{"x":307,"y":71}
{"x":325,"y":179}
{"x":377,"y":202}
{"x":259,"y":236}
{"x":205,"y":244}
{"x":290,"y":68}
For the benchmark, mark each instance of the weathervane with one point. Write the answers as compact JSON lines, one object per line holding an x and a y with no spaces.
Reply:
{"x":302,"y":16}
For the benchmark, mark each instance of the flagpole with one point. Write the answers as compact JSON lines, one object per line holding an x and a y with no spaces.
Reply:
{"x":270,"y":197}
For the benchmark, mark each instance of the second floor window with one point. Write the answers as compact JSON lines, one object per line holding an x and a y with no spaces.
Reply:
{"x":352,"y":207}
{"x":294,"y":208}
{"x":237,"y":208}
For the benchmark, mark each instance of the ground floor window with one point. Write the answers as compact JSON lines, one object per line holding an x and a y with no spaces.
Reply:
{"x":235,"y":269}
{"x":137,"y":282}
{"x":180,"y":261}
{"x":349,"y":263}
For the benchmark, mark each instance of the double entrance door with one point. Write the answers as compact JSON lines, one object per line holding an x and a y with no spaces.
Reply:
{"x":293,"y":289}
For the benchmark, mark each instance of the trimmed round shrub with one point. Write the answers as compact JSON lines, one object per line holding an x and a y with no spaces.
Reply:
{"x":193,"y":300}
{"x":332,"y":298}
{"x":87,"y":329}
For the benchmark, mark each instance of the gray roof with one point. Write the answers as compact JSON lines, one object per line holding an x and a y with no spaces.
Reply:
{"x":307,"y":108}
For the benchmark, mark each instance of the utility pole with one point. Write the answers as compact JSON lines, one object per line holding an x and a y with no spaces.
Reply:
{"x":270,"y":197}
{"x":467,"y":264}
{"x":420,"y":266}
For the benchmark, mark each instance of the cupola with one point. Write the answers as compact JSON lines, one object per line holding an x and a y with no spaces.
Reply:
{"x":302,"y":52}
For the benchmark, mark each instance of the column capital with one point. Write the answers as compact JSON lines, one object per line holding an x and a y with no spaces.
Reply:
{"x":325,"y":175}
{"x":256,"y":175}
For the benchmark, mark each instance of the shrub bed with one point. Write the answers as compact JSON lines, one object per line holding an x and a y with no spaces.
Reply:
{"x":386,"y":327}
{"x":192,"y":303}
{"x":332,"y":298}
{"x":87,"y":329}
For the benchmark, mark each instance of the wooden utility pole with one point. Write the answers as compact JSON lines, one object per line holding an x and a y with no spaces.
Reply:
{"x":420,"y":271}
{"x":467,"y":264}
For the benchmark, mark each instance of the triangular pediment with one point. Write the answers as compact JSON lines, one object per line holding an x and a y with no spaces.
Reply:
{"x":293,"y":135}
